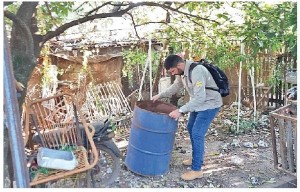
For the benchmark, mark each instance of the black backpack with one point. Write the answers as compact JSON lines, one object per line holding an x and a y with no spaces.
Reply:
{"x":218,"y":75}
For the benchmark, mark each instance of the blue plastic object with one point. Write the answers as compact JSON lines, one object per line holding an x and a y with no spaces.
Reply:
{"x":151,"y":138}
{"x":56,"y":159}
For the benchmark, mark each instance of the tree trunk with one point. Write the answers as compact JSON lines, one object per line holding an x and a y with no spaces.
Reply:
{"x":23,"y":49}
{"x":24,"y":61}
{"x":159,"y":68}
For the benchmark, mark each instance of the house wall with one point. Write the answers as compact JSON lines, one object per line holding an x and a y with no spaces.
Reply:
{"x":101,"y":69}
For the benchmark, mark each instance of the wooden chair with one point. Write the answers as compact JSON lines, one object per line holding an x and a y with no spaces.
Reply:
{"x":56,"y":120}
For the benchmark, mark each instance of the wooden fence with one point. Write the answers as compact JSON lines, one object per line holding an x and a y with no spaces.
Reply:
{"x":267,"y":95}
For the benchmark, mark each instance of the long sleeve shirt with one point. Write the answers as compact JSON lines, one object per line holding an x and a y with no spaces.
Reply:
{"x":200,"y":98}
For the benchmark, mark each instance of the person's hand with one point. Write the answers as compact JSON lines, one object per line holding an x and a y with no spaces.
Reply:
{"x":175,"y":114}
{"x":155,"y":97}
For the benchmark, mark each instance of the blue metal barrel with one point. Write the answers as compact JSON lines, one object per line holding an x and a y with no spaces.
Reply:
{"x":151,"y":138}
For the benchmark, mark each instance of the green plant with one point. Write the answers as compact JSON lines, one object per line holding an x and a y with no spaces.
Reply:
{"x":86,"y":71}
{"x":67,"y":148}
{"x":275,"y":78}
{"x":134,"y":57}
{"x":39,"y":170}
{"x":113,"y":126}
{"x":52,"y":14}
{"x":245,"y":125}
{"x":48,"y":77}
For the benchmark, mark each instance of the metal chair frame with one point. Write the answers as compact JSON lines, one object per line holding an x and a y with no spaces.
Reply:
{"x":56,"y":121}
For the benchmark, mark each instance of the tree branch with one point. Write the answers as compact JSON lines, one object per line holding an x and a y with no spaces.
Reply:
{"x":257,"y":7}
{"x":119,"y":13}
{"x":26,"y":31}
{"x":151,"y":22}
{"x":182,"y":4}
{"x":49,"y":12}
{"x":178,"y":11}
{"x":162,"y":22}
{"x":64,"y":27}
{"x":263,"y":11}
{"x":184,"y":35}
{"x":80,"y":6}
{"x":202,"y":26}
{"x":106,"y":3}
{"x":97,"y":8}
{"x":120,"y":4}
{"x":196,"y":23}
{"x":134,"y":25}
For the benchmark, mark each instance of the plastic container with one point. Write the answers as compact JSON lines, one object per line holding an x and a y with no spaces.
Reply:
{"x":151,"y":138}
{"x":55,"y":159}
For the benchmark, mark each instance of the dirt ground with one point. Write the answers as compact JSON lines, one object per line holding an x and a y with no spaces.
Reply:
{"x":242,"y":160}
{"x":231,"y":161}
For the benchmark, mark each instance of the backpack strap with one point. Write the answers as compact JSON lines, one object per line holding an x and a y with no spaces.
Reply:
{"x":192,"y":66}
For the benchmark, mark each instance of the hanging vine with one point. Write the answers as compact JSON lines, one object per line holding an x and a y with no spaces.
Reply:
{"x":134,"y":57}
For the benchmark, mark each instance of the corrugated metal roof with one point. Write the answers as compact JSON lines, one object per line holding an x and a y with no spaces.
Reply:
{"x":73,"y":44}
{"x":92,"y":59}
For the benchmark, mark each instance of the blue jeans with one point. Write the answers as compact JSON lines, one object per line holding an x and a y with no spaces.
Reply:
{"x":197,"y":126}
